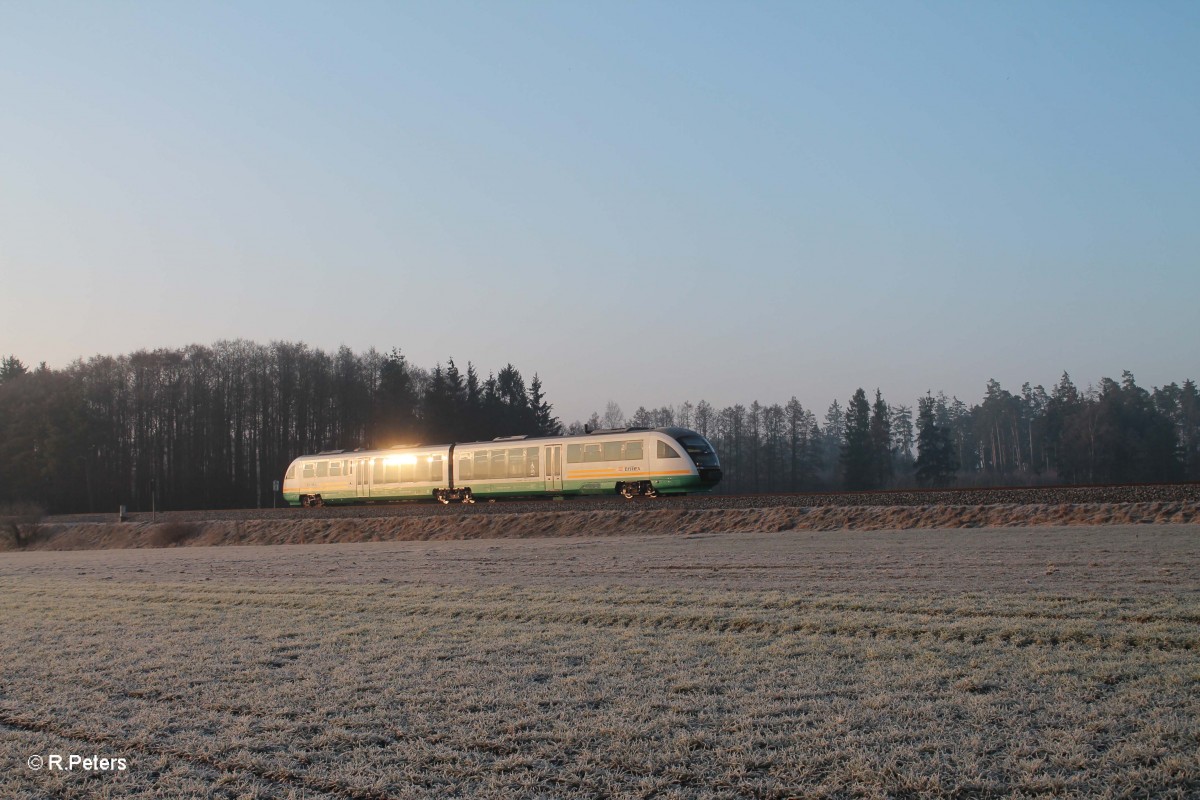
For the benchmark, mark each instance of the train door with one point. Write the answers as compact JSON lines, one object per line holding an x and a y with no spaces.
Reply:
{"x":554,"y":468}
{"x":362,"y":483}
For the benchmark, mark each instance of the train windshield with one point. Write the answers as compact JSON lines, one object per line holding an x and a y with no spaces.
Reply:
{"x":700,"y":450}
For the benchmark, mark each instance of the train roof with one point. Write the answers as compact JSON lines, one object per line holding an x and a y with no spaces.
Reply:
{"x":673,"y":431}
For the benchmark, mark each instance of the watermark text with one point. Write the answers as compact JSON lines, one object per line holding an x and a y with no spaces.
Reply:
{"x":73,"y":762}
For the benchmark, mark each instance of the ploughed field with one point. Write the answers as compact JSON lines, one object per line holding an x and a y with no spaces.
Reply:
{"x":986,"y":662}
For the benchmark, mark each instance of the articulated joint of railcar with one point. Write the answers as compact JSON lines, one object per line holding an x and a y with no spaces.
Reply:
{"x":460,"y":494}
{"x":634,"y":488}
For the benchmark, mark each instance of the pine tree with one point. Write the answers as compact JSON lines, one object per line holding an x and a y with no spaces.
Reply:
{"x":641,"y":418}
{"x":395,"y":402}
{"x":11,"y":367}
{"x":903,"y":439}
{"x":832,"y":436}
{"x":455,"y":414}
{"x":1189,"y":423}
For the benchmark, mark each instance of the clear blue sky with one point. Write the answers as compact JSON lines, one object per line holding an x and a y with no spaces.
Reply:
{"x":643,"y":202}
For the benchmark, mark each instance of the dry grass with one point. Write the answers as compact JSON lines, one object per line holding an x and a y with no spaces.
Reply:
{"x":18,"y":524}
{"x":435,"y":522}
{"x":666,"y":667}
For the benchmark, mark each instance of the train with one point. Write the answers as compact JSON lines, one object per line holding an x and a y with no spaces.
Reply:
{"x":626,"y":461}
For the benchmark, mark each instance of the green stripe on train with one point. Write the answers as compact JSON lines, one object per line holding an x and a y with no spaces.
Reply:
{"x":668,"y":485}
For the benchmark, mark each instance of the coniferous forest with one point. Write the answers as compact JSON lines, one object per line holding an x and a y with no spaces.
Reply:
{"x":213,"y":426}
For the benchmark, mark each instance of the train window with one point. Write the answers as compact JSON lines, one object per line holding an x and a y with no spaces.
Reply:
{"x":591,"y":452}
{"x":421,"y":469}
{"x":335,"y":469}
{"x":612,"y":451}
{"x":322,"y":469}
{"x":633,"y":451}
{"x":464,"y":469}
{"x":516,"y":462}
{"x":666,"y":451}
{"x":291,"y":473}
{"x":407,"y":472}
{"x":498,"y":467}
{"x":574,"y":453}
{"x":435,"y":469}
{"x":309,"y":470}
{"x":482,"y":465}
{"x":533,"y":462}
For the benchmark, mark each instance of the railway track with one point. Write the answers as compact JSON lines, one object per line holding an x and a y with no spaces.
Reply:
{"x":1042,"y":495}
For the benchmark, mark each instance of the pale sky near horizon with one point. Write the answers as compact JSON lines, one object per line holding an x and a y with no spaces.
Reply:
{"x":642,"y":202}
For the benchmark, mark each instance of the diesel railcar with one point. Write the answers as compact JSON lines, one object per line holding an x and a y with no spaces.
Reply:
{"x":626,"y":461}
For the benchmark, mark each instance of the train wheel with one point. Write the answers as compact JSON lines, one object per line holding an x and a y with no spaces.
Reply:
{"x":468,"y":498}
{"x":650,"y":490}
{"x":627,"y":491}
{"x":317,"y":502}
{"x":441,"y":496}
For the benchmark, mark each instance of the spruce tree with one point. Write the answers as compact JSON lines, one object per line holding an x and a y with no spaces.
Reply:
{"x":935,"y":457}
{"x":881,"y":442}
{"x":545,"y":423}
{"x":856,"y":457}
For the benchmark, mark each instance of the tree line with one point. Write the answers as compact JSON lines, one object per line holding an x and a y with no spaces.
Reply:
{"x":1113,"y":432}
{"x":214,"y":426}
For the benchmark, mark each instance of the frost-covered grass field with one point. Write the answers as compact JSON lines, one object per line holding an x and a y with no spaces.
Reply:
{"x":974,"y":663}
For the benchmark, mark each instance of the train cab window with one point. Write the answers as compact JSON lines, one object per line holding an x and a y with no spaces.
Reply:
{"x":700,"y":450}
{"x":666,"y":451}
{"x":612,"y":451}
{"x":633,"y":451}
{"x":533,"y":462}
{"x":310,"y":470}
{"x":322,"y":469}
{"x":591,"y":452}
{"x":482,"y":465}
{"x":516,"y":462}
{"x":465,"y":473}
{"x":291,"y":473}
{"x":335,"y":469}
{"x":574,"y":454}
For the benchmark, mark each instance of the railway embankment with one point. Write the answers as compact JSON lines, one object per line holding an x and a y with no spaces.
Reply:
{"x":501,"y":521}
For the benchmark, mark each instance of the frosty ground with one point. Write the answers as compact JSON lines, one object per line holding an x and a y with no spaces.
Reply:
{"x":981,"y":662}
